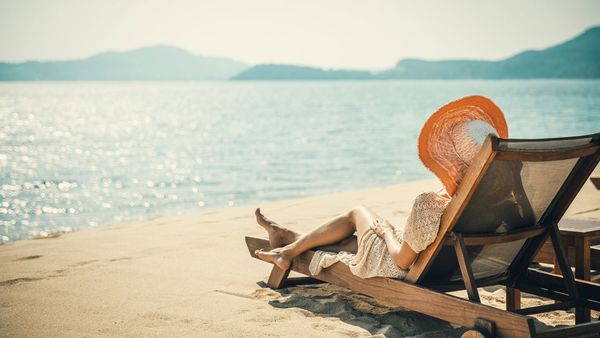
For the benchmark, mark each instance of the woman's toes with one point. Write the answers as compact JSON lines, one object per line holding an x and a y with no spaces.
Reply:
{"x":274,"y":257}
{"x":265,"y":255}
{"x":260,"y":218}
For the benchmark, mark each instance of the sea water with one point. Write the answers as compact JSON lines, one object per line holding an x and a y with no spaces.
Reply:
{"x":84,"y":154}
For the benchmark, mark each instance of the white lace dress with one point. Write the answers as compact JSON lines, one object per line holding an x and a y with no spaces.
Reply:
{"x":373,"y":258}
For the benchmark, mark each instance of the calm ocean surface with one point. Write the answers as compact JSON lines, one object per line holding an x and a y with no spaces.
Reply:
{"x":75,"y":155}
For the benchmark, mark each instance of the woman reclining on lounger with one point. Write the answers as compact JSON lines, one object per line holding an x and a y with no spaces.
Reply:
{"x":448,"y":143}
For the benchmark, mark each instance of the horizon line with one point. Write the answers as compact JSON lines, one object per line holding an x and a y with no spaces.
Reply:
{"x":251,"y":64}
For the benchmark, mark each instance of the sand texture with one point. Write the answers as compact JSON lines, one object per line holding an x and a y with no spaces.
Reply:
{"x":191,"y":275}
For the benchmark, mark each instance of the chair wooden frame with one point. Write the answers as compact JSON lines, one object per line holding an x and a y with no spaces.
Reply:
{"x":430,"y":299}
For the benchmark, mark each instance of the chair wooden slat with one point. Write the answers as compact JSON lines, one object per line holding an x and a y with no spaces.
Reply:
{"x":454,"y":209}
{"x":473,"y":240}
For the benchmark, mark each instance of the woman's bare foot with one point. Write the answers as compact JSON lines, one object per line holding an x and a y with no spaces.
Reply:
{"x":278,"y":235}
{"x":274,"y":257}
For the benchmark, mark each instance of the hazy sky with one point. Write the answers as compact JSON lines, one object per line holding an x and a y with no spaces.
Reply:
{"x":327,"y":33}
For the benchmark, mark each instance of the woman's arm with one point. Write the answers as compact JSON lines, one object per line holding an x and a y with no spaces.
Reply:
{"x":401,"y":253}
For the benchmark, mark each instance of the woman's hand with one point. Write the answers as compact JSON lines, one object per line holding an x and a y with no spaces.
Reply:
{"x":380,"y":226}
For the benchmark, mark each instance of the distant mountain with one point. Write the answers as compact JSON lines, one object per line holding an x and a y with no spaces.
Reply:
{"x":576,"y":58}
{"x":148,"y":63}
{"x":291,"y":72}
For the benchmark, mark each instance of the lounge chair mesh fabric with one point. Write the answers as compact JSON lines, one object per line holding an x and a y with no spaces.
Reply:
{"x":511,"y":195}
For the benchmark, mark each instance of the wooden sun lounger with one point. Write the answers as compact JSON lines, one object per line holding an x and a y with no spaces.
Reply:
{"x":508,"y":204}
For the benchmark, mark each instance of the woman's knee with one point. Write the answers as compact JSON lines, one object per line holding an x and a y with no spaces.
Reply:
{"x":358,"y":214}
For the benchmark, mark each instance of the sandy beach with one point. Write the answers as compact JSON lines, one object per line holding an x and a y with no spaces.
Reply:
{"x":191,"y":275}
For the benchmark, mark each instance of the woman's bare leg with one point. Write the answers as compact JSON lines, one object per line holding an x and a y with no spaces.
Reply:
{"x":348,"y":244}
{"x":337,"y":229}
{"x":278,"y":235}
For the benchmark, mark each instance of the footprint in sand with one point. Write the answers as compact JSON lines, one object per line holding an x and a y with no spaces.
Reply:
{"x":82,"y":263}
{"x":18,"y":280}
{"x":269,"y":318}
{"x":26,"y":258}
{"x":265,"y":294}
{"x":323,"y":327}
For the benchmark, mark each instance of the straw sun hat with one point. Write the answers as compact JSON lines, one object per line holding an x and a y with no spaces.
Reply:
{"x":453,"y":135}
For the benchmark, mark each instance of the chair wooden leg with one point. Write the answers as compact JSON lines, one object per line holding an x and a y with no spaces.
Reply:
{"x":568,"y":277}
{"x":513,"y":299}
{"x":582,"y":271}
{"x":465,"y":267}
{"x":277,"y":277}
{"x":556,"y":267}
{"x":482,"y":329}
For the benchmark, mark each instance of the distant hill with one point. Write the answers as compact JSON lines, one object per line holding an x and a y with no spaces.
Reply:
{"x":148,"y":63}
{"x":576,"y":58}
{"x":291,"y":72}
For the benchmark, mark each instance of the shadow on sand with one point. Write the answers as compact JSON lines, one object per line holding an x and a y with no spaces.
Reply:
{"x":326,"y":300}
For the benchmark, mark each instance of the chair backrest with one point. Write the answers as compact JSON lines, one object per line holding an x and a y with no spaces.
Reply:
{"x":514,"y":186}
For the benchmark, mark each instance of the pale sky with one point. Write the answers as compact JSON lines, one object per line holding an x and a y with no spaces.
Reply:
{"x":327,"y":33}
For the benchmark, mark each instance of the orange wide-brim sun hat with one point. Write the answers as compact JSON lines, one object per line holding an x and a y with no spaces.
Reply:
{"x":453,"y":135}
